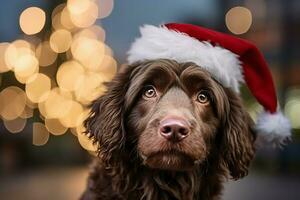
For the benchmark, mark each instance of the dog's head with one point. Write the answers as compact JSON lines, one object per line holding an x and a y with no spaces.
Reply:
{"x":171,"y":116}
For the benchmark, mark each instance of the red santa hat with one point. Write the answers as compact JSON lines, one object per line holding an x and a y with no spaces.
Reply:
{"x":231,"y":61}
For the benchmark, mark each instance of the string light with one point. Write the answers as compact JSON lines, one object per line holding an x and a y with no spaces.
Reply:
{"x":60,"y":95}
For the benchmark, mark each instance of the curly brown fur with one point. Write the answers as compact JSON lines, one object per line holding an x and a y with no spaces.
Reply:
{"x":135,"y":162}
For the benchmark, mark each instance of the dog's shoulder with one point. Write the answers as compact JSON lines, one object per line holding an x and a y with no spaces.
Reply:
{"x":99,"y":185}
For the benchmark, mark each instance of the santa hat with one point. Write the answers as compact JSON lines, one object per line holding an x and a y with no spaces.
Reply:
{"x":230,"y":60}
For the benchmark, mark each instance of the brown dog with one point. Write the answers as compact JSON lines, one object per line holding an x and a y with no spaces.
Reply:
{"x":167,"y":130}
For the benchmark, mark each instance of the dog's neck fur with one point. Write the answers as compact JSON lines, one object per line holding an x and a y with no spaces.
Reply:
{"x":150,"y":184}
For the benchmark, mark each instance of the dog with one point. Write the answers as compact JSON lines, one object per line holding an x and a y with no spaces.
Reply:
{"x":167,"y":131}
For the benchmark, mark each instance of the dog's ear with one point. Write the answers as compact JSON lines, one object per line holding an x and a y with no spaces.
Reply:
{"x":237,"y":146}
{"x":105,"y":123}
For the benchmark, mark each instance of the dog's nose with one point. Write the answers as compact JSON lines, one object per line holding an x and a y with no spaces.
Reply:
{"x":174,"y":129}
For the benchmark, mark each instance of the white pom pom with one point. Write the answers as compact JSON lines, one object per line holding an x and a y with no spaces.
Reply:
{"x":273,"y":128}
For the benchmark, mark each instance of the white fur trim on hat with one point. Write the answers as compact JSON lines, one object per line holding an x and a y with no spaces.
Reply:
{"x":273,"y":128}
{"x":160,"y":42}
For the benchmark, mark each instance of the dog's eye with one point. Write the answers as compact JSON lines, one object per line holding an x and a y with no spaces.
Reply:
{"x":149,"y":91}
{"x":203,"y":97}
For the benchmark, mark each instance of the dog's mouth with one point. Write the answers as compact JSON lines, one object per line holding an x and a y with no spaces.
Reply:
{"x":170,"y":160}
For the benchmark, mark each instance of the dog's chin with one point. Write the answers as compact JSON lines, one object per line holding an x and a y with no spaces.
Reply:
{"x":168,"y":160}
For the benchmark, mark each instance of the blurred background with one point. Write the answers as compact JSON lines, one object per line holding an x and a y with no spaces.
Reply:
{"x":55,"y":55}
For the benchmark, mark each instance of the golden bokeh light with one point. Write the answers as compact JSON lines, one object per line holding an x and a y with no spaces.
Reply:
{"x":27,"y":113}
{"x":61,"y":94}
{"x":108,"y":68}
{"x":13,"y":102}
{"x":85,"y":16}
{"x":86,"y":143}
{"x":55,"y":127}
{"x":84,"y":140}
{"x":58,"y":9}
{"x":38,"y":87}
{"x":14,"y":51}
{"x":15,"y":125}
{"x":25,"y":66}
{"x":93,"y":32}
{"x":89,"y":52}
{"x":108,"y":51}
{"x":68,"y":75}
{"x":60,"y":40}
{"x":30,"y":104}
{"x":45,"y":54}
{"x":3,"y":65}
{"x":23,"y":44}
{"x":73,"y":118}
{"x":56,"y":22}
{"x":238,"y":20}
{"x":73,"y":131}
{"x":89,"y":87}
{"x":20,"y":58}
{"x":98,"y":31}
{"x":105,"y":8}
{"x":42,"y":109}
{"x":32,"y":20}
{"x":65,"y":20}
{"x":40,"y":134}
{"x":57,"y":104}
{"x":78,"y":6}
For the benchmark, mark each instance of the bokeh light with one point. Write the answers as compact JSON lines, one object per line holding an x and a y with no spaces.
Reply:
{"x":292,"y":107}
{"x":55,"y":127}
{"x":27,"y":113}
{"x":60,"y":40}
{"x":58,"y":103}
{"x":84,"y":141}
{"x":3,"y":65}
{"x":38,"y":88}
{"x":13,"y":101}
{"x":89,"y":52}
{"x":78,"y":6}
{"x":40,"y":134}
{"x":65,"y":19}
{"x":15,"y":125}
{"x":72,"y":118}
{"x":76,"y":46}
{"x":108,"y":67}
{"x":238,"y":20}
{"x":45,"y":54}
{"x":84,"y":15}
{"x":68,"y":75}
{"x":32,"y":20}
{"x":89,"y":87}
{"x":105,"y":8}
{"x":25,"y":66}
